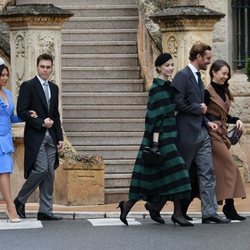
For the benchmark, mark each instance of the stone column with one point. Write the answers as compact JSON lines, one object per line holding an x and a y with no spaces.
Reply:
{"x":34,"y":29}
{"x":182,"y":23}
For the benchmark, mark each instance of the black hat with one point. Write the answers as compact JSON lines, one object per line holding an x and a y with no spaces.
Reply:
{"x":161,"y":59}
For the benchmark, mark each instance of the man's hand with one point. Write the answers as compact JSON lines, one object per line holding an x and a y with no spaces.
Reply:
{"x":212,"y":126}
{"x":48,"y":123}
{"x":203,"y":108}
{"x":60,"y":146}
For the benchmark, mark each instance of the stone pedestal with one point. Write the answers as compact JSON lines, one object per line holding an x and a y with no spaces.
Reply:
{"x":80,"y":181}
{"x":181,"y":26}
{"x":34,"y":29}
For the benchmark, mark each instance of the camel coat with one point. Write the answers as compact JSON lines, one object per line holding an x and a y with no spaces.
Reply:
{"x":228,"y":180}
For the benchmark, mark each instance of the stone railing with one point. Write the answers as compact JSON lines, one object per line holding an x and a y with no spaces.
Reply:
{"x":148,"y":40}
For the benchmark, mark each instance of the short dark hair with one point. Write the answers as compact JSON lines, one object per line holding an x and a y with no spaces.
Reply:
{"x":44,"y":57}
{"x":198,"y":48}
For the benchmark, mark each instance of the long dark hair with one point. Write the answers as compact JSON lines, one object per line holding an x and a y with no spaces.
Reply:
{"x":215,"y":67}
{"x":2,"y":67}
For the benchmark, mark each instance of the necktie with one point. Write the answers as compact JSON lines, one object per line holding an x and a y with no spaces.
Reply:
{"x":200,"y":83}
{"x":46,"y":91}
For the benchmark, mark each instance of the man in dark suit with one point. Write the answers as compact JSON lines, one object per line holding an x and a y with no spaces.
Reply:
{"x":194,"y":143}
{"x":43,"y":138}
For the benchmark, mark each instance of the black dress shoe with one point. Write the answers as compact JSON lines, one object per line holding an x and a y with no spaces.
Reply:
{"x":20,"y":208}
{"x":154,"y":215}
{"x":187,"y":217}
{"x":216,"y":219}
{"x":43,"y":216}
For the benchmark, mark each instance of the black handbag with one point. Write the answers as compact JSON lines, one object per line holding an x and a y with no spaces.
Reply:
{"x":151,"y":157}
{"x":234,"y":135}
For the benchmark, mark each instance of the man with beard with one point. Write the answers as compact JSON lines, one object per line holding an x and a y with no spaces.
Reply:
{"x":194,"y":143}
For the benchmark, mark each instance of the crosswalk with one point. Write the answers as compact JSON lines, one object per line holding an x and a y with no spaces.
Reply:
{"x":33,"y":223}
{"x":25,"y":224}
{"x":132,"y":222}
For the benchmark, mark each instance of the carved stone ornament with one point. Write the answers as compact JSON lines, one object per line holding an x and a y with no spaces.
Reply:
{"x":172,"y":46}
{"x":20,"y":58}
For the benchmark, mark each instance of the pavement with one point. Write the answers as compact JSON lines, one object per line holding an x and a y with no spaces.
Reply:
{"x":138,"y":211}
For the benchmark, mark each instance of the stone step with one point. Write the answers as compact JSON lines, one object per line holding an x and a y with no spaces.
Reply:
{"x":99,"y":34}
{"x":109,"y":152}
{"x":104,"y":111}
{"x":123,"y":72}
{"x":121,"y":180}
{"x":118,"y":166}
{"x":87,"y":60}
{"x":104,"y":98}
{"x":101,"y":125}
{"x":104,"y":138}
{"x":100,"y":47}
{"x":126,"y":22}
{"x":102,"y":10}
{"x":77,"y":2}
{"x":102,"y":85}
{"x":115,"y":195}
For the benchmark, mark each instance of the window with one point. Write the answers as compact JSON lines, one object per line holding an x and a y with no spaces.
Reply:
{"x":241,"y":32}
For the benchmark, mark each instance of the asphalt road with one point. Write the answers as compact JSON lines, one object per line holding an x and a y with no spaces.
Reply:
{"x":81,"y":234}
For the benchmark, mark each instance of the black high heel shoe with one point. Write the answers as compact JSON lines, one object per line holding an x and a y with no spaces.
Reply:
{"x":122,"y":215}
{"x":182,"y":223}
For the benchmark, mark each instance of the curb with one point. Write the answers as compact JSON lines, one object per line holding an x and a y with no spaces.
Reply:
{"x":99,"y":215}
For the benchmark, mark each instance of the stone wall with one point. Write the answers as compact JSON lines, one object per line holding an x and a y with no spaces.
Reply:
{"x":222,"y":38}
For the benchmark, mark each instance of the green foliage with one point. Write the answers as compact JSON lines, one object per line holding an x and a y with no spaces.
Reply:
{"x":247,"y":68}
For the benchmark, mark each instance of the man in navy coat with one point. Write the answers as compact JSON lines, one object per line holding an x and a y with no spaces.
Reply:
{"x":43,"y":138}
{"x":194,"y":143}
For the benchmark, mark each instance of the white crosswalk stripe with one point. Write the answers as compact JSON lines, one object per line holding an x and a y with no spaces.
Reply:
{"x":24,"y":224}
{"x":111,"y":222}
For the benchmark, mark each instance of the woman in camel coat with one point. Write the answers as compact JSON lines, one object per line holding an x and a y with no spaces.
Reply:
{"x":218,"y":100}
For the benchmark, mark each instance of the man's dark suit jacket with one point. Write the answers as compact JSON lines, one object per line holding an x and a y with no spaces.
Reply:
{"x":188,"y":97}
{"x":32,"y":97}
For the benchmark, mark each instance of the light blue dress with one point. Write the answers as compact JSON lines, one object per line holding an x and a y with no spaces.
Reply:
{"x":6,"y":143}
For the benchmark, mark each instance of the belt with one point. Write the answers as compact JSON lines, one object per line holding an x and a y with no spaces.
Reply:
{"x":212,"y":117}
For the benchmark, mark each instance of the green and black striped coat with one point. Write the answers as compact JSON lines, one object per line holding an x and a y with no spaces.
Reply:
{"x":171,"y":180}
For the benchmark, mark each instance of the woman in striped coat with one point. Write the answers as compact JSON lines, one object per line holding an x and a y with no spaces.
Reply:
{"x":170,"y":180}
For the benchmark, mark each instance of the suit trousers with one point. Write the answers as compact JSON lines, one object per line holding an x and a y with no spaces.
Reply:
{"x":41,"y":175}
{"x":201,"y":155}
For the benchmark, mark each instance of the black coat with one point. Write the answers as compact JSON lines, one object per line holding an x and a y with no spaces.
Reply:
{"x":188,"y":97}
{"x":32,"y":97}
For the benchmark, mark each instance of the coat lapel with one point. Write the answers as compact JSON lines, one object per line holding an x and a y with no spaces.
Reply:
{"x":217,"y":99}
{"x":195,"y":84}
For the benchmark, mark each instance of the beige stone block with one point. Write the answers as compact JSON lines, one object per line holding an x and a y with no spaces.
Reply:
{"x":80,"y":182}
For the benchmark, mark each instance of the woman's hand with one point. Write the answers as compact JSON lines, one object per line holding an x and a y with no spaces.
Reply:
{"x":239,"y":125}
{"x":212,"y":126}
{"x":33,"y":114}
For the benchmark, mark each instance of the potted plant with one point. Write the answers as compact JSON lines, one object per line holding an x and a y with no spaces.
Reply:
{"x":247,"y":68}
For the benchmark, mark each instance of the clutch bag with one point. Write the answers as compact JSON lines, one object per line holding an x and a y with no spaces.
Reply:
{"x":234,"y":135}
{"x":151,"y":157}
